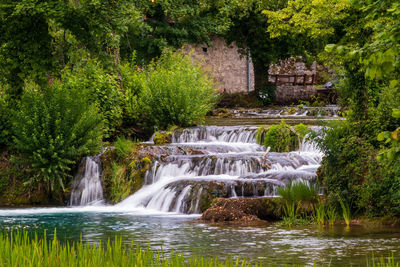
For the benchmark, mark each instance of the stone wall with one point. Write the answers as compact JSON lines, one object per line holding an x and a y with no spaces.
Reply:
{"x":287,"y":93}
{"x":226,"y":64}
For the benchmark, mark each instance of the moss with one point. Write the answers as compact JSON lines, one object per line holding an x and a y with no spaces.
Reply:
{"x":162,"y":137}
{"x":291,"y":110}
{"x":281,"y":138}
{"x":261,"y":134}
{"x":123,"y":177}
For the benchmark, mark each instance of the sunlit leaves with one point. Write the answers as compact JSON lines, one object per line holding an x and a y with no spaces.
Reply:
{"x":315,"y":18}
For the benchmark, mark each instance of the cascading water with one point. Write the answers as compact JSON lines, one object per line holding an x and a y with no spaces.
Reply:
{"x":87,"y":189}
{"x":213,"y":161}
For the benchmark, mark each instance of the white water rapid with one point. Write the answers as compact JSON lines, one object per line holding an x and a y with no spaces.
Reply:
{"x":213,"y":161}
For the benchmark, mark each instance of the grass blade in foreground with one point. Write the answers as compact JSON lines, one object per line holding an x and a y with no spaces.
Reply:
{"x":18,"y":249}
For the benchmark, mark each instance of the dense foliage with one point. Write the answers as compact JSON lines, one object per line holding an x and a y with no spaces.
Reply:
{"x":171,"y":91}
{"x":52,"y":128}
{"x":92,"y":70}
{"x":101,"y":87}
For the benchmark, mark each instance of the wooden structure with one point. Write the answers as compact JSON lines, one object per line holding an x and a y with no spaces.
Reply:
{"x":293,"y":79}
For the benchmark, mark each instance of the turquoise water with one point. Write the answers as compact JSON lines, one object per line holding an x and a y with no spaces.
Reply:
{"x":183,"y":234}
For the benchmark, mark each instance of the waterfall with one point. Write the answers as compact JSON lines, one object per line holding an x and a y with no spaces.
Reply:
{"x":219,"y":161}
{"x":87,"y":189}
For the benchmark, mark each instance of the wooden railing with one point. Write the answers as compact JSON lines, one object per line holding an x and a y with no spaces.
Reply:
{"x":293,"y":79}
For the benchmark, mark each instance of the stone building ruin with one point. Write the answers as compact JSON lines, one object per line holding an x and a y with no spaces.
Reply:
{"x":234,"y":73}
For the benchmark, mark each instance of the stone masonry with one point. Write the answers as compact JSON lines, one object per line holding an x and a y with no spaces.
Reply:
{"x":286,"y":92}
{"x":228,"y":67}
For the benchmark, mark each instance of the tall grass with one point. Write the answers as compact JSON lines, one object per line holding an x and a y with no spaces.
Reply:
{"x":345,"y":211}
{"x":320,"y":213}
{"x":298,"y":201}
{"x":18,"y":249}
{"x":331,"y":215}
{"x":123,"y":147}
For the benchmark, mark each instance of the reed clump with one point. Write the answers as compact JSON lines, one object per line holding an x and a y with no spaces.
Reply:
{"x":19,"y":249}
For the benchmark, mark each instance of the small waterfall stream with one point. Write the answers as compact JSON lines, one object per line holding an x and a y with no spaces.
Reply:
{"x":87,"y":188}
{"x":222,"y":162}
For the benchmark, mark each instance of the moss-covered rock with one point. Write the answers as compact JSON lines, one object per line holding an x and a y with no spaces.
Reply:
{"x":162,"y":137}
{"x":123,"y":177}
{"x":281,"y":137}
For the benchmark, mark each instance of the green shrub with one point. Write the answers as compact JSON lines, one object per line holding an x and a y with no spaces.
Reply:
{"x":123,"y":147}
{"x":280,"y":138}
{"x":52,"y":129}
{"x":102,"y":88}
{"x":5,"y":133}
{"x":173,"y":91}
{"x":301,"y":130}
{"x":380,"y":193}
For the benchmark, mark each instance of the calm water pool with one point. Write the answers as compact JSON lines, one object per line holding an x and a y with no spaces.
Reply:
{"x":338,"y":246}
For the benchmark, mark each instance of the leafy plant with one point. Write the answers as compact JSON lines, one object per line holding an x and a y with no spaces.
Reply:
{"x":52,"y":128}
{"x":320,"y":213}
{"x":101,"y":87}
{"x":280,"y":138}
{"x":267,"y":94}
{"x":392,"y":138}
{"x":345,"y":211}
{"x":123,"y":147}
{"x":301,"y":130}
{"x":331,"y":215}
{"x":174,"y":91}
{"x":5,"y":134}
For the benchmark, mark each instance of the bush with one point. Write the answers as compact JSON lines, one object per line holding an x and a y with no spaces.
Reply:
{"x":301,"y":130}
{"x":123,"y":147}
{"x":173,"y":91}
{"x":348,"y":160}
{"x":102,"y":88}
{"x":281,"y":138}
{"x":52,"y":129}
{"x":5,"y":134}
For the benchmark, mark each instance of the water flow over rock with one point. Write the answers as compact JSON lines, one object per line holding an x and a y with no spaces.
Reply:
{"x":87,"y":189}
{"x":214,"y":161}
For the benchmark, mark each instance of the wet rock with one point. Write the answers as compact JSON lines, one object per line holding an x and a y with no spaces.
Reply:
{"x":162,"y":137}
{"x":241,"y":209}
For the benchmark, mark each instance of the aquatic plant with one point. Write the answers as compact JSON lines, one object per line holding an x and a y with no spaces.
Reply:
{"x":345,"y":211}
{"x":320,"y":213}
{"x":298,"y":200}
{"x":18,"y":249}
{"x":298,"y":191}
{"x":331,"y":214}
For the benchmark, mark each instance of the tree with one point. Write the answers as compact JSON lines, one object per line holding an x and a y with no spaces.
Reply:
{"x":34,"y":35}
